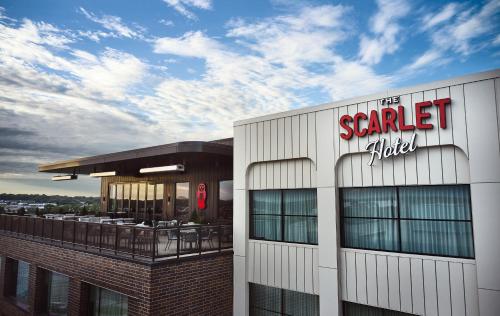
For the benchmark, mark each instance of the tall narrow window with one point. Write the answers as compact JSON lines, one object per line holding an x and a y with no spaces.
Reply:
{"x":225,"y":199}
{"x":142,"y":200}
{"x":430,"y":220}
{"x":112,"y":197}
{"x":57,"y":294}
{"x":134,"y":198}
{"x":181,"y":198}
{"x":159,"y":200}
{"x":284,"y":215}
{"x":300,"y":216}
{"x":126,"y":197}
{"x":104,"y":302}
{"x":16,"y":281}
{"x":119,"y":197}
{"x":150,"y":201}
{"x":23,"y":270}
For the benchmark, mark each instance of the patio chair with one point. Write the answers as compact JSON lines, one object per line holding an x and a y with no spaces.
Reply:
{"x":207,"y":235}
{"x":171,"y":236}
{"x":190,"y":237}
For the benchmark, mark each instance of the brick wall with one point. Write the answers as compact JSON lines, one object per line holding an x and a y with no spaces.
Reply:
{"x":200,"y":286}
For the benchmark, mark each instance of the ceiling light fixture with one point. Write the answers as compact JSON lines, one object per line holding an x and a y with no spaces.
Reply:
{"x":162,"y":169}
{"x":65,"y":177}
{"x":103,"y":174}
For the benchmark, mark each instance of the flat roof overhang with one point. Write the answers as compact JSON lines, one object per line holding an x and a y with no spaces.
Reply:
{"x":128,"y":162}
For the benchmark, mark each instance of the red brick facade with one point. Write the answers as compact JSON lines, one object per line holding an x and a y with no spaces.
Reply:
{"x":199,"y":286}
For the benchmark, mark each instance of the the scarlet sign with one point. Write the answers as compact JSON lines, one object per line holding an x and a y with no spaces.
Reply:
{"x":393,"y":119}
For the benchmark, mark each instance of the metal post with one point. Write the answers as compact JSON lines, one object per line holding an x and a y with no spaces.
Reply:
{"x":62,"y":233}
{"x":74,"y":233}
{"x":43,"y":229}
{"x":133,"y":242}
{"x":100,"y":237}
{"x":178,"y":241}
{"x":199,"y":239}
{"x":220,"y":236}
{"x":51,"y":230}
{"x":154,"y":243}
{"x":116,"y":238}
{"x":86,"y":234}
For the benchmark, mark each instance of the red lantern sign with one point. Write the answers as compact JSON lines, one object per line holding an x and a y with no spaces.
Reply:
{"x":201,"y":196}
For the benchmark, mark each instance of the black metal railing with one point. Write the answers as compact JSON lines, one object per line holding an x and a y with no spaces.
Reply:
{"x":141,"y":243}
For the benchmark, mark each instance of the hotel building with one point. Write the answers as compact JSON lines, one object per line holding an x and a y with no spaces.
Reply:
{"x":380,"y":205}
{"x":387,"y":204}
{"x":107,"y":264}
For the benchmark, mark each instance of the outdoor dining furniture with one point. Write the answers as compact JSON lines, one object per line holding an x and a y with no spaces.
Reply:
{"x":171,"y":236}
{"x":189,"y":236}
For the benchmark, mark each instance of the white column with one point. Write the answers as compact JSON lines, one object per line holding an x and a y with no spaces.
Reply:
{"x":484,"y":158}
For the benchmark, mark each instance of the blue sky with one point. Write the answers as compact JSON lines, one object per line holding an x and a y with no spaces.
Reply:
{"x":80,"y":78}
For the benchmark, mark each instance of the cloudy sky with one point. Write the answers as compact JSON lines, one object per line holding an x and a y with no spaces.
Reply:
{"x":92,"y":77}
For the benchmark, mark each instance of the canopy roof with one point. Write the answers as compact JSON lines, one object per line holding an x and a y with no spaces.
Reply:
{"x":129,"y":162}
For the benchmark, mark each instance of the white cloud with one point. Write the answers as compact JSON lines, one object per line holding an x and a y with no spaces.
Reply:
{"x":182,"y":6}
{"x":496,"y":41}
{"x":464,"y":33}
{"x":307,"y":37}
{"x":52,"y":107}
{"x":166,"y":22}
{"x":191,"y":44}
{"x":272,"y":65}
{"x":448,"y":11}
{"x":113,"y":24}
{"x":385,"y":26}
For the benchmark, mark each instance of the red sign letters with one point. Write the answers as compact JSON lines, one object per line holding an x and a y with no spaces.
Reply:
{"x":393,"y":119}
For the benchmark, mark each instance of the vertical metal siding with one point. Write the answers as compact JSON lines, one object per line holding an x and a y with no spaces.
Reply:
{"x":422,"y":285}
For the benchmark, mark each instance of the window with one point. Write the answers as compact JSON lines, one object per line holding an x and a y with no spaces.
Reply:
{"x":352,"y":309}
{"x":16,"y":283}
{"x":107,"y":303}
{"x":23,"y":272}
{"x":150,"y":200}
{"x":181,"y":198}
{"x":57,"y":294}
{"x":284,"y":215}
{"x":112,"y":197}
{"x":142,"y":199}
{"x":265,"y":300}
{"x":119,"y":196}
{"x":430,"y":220}
{"x":133,"y":197}
{"x":126,"y":197}
{"x":226,"y":199}
{"x":159,"y":199}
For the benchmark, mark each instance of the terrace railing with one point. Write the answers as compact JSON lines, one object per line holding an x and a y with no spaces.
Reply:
{"x":132,"y":242}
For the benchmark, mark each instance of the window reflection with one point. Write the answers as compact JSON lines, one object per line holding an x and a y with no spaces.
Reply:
{"x":126,"y":197}
{"x":104,"y":302}
{"x":159,"y":200}
{"x":142,"y":200}
{"x":182,"y":198}
{"x":150,"y":201}
{"x":133,"y":198}
{"x":119,"y":197}
{"x":58,"y":286}
{"x":112,"y":197}
{"x":226,"y":199}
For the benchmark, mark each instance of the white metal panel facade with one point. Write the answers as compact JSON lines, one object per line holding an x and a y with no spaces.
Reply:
{"x":303,"y":149}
